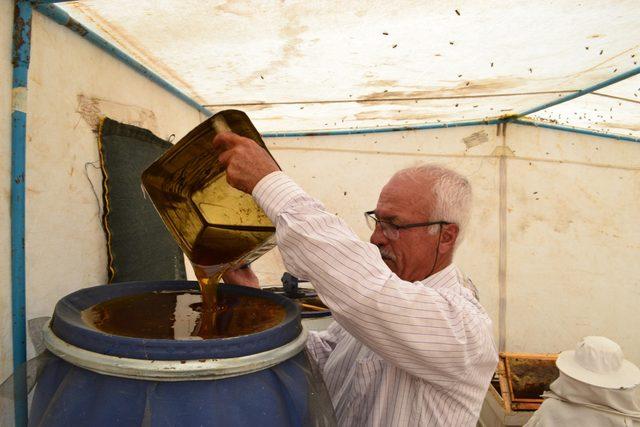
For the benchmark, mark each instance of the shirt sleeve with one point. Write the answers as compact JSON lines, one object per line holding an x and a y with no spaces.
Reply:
{"x":433,"y":335}
{"x":321,"y":343}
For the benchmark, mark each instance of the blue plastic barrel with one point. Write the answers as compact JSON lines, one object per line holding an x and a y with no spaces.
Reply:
{"x":98,"y":379}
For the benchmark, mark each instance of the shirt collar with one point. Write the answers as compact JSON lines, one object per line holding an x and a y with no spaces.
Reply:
{"x":448,"y":277}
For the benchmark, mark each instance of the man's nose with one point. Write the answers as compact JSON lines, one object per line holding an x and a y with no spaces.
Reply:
{"x":377,"y":237}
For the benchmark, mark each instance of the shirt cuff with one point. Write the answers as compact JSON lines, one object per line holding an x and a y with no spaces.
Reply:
{"x":274,"y":192}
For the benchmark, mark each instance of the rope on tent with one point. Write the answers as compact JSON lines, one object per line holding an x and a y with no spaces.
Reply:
{"x":95,"y":165}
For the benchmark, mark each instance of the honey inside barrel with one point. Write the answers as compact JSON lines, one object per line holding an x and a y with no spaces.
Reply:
{"x":180,"y":315}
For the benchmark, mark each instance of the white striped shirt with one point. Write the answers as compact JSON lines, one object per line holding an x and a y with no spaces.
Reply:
{"x":399,"y":353}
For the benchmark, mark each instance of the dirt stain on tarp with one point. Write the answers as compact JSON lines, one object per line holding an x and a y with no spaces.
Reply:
{"x":406,"y":110}
{"x":457,"y":88}
{"x":381,"y":83}
{"x":237,"y":8}
{"x":91,"y":109}
{"x":399,"y":115}
{"x":251,"y":107}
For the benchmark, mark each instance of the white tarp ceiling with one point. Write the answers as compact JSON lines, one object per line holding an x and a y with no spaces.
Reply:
{"x":309,"y":65}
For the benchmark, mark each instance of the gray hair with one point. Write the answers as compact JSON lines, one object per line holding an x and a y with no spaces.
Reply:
{"x":452,"y":193}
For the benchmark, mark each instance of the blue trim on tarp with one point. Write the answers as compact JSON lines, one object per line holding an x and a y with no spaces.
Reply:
{"x":61,"y":17}
{"x":380,"y":130}
{"x":68,"y":325}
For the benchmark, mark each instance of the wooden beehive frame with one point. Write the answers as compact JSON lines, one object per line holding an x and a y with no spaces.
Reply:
{"x":506,"y":383}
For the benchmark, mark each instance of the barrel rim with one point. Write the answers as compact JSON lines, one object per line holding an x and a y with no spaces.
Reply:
{"x":172,"y":370}
{"x":68,"y":325}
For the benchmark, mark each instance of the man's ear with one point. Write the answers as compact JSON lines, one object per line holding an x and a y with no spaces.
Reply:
{"x":448,"y":237}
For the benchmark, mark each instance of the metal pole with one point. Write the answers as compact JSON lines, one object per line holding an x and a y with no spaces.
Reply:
{"x":20,"y":60}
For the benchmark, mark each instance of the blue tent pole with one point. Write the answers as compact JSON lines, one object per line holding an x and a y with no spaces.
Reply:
{"x":334,"y":132}
{"x":20,"y":59}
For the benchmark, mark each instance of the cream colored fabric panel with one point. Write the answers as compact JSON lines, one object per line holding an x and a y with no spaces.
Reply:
{"x":282,"y":54}
{"x":6,"y":30}
{"x":347,"y":173}
{"x":599,"y":114}
{"x":65,"y":244}
{"x":549,"y":145}
{"x":277,"y":49}
{"x":573,"y":249}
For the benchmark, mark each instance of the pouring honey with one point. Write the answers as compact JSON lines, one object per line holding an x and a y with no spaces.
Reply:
{"x":216,"y":226}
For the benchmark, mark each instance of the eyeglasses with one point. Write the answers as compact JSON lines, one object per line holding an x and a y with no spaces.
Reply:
{"x":392,"y":231}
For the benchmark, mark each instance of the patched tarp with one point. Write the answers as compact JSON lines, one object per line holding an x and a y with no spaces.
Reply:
{"x":307,"y":65}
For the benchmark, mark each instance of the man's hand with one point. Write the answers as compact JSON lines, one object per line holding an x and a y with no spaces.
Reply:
{"x":243,"y":276}
{"x":245,"y":161}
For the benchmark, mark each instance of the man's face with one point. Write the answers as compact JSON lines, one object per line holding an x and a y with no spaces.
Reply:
{"x":412,"y":255}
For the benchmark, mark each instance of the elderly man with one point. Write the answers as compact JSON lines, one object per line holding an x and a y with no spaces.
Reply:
{"x":410,"y":344}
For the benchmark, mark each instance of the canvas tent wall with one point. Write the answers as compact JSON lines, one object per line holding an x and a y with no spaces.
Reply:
{"x":65,"y":245}
{"x":554,"y":235}
{"x":553,"y":238}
